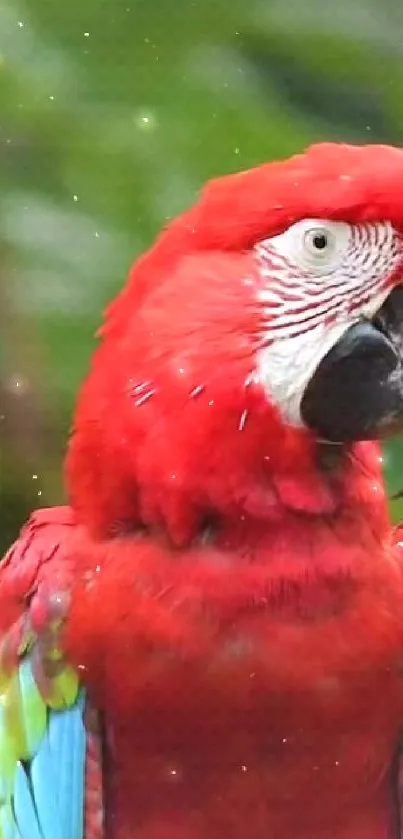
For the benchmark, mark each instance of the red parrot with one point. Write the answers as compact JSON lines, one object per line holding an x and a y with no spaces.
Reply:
{"x":207,"y":642}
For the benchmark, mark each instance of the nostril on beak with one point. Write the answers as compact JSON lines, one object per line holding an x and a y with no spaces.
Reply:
{"x":365,"y":340}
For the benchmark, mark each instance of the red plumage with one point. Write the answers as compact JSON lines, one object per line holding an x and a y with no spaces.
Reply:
{"x":236,"y":594}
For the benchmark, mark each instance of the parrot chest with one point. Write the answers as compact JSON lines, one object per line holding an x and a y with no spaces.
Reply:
{"x":199,"y":763}
{"x":235,"y":713}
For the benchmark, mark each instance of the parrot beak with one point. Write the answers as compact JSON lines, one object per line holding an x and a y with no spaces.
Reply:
{"x":356,"y":392}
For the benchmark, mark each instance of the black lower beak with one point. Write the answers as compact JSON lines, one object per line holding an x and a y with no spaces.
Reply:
{"x":356,"y":393}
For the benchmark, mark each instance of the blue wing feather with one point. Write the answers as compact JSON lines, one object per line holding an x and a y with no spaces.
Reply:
{"x":25,"y":815}
{"x":58,"y":734}
{"x":71,"y":781}
{"x":43,"y":777}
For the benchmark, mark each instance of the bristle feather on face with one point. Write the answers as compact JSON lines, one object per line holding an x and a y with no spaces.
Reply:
{"x":312,"y":293}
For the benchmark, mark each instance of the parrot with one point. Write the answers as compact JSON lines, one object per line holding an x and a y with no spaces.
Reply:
{"x":206,"y":640}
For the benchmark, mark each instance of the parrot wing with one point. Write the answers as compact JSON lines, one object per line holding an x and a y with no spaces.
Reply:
{"x":47,"y":761}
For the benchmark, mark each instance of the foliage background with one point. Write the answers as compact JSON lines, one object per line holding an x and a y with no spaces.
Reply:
{"x":112,"y":114}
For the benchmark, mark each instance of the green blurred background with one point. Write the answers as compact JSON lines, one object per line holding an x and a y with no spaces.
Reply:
{"x":112,"y":114}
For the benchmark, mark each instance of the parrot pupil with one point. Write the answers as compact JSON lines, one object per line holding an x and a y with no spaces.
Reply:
{"x":320,"y":241}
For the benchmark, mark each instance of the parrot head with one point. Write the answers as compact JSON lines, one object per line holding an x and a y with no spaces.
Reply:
{"x":254,"y":353}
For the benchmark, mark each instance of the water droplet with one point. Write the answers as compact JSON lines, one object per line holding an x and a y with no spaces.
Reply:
{"x":145,"y":121}
{"x":175,"y":774}
{"x":18,"y":385}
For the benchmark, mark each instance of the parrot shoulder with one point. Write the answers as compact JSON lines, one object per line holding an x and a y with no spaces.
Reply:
{"x":45,"y":739}
{"x":35,"y":555}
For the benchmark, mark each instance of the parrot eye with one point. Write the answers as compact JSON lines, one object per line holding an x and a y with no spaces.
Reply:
{"x":316,"y":246}
{"x":317,"y":241}
{"x":320,"y":246}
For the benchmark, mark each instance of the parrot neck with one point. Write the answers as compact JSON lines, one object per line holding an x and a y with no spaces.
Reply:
{"x":338,"y":497}
{"x":329,"y":479}
{"x":252,"y":486}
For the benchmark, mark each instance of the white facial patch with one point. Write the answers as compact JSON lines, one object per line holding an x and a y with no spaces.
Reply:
{"x":319,"y":278}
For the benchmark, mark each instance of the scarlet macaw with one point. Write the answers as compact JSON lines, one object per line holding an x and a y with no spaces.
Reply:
{"x":207,"y":642}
